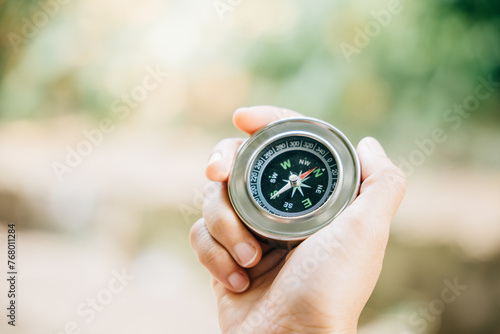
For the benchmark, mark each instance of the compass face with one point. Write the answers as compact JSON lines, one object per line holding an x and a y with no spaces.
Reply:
{"x":293,"y":176}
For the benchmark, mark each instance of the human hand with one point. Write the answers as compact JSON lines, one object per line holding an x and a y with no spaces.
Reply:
{"x":323,"y":284}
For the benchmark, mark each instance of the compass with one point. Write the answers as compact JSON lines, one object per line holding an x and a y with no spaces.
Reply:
{"x":292,"y":178}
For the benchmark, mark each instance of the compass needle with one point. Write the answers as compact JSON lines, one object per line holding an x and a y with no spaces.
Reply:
{"x":282,"y":190}
{"x":303,"y":176}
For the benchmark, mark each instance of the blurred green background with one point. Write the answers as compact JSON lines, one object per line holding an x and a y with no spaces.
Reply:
{"x":128,"y":202}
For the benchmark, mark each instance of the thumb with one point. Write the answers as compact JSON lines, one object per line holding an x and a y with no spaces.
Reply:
{"x":383,"y":186}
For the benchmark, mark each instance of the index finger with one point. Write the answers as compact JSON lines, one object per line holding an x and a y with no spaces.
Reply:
{"x":249,"y":120}
{"x":252,"y":119}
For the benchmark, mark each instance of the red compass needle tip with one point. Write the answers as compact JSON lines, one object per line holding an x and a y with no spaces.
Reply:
{"x":306,"y":174}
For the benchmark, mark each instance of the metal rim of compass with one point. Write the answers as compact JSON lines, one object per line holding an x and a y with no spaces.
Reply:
{"x":287,"y":232}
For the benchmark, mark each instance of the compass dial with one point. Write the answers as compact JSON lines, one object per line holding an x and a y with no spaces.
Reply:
{"x":293,"y":176}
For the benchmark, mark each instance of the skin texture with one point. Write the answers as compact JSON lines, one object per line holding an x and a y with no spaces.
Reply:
{"x":324,"y":283}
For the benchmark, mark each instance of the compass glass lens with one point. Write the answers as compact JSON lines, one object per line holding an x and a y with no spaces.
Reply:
{"x":293,"y":176}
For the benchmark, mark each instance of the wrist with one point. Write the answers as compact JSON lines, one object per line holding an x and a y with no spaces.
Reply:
{"x":344,"y":329}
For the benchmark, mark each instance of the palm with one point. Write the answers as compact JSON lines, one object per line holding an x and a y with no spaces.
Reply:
{"x":298,"y":289}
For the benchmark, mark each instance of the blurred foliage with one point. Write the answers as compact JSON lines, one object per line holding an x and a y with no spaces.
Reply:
{"x":427,"y":59}
{"x":481,"y":10}
{"x":11,"y":13}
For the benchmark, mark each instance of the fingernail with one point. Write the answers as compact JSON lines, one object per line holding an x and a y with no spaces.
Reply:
{"x":215,"y":156}
{"x":238,"y":281}
{"x":246,"y":253}
{"x":375,"y":145}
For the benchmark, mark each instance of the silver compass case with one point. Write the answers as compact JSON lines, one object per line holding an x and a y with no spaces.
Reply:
{"x":288,"y":230}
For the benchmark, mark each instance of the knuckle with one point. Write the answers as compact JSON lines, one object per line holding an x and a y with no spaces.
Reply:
{"x":392,"y":177}
{"x":389,"y":170}
{"x":211,"y":191}
{"x":220,"y":160}
{"x":219,"y":216}
{"x":219,"y":223}
{"x":401,"y":177}
{"x":396,"y":179}
{"x":210,"y":170}
{"x":212,"y":214}
{"x":196,"y":231}
{"x":282,"y":113}
{"x":212,"y":256}
{"x":214,"y":283}
{"x":227,"y":142}
{"x":217,"y":171}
